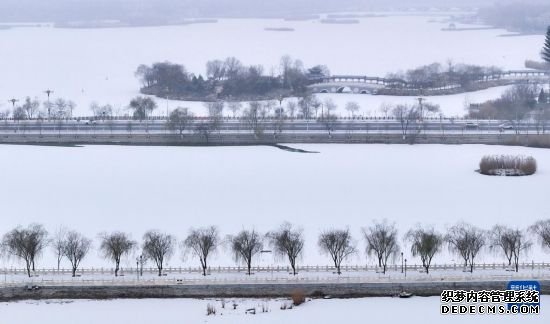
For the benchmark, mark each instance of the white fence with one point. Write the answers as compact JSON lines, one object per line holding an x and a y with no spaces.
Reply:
{"x":277,"y":269}
{"x":122,"y":281}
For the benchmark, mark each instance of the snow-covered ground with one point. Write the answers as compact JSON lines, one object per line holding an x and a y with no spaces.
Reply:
{"x":134,"y":189}
{"x":87,"y":65}
{"x":451,"y":105}
{"x":416,"y":310}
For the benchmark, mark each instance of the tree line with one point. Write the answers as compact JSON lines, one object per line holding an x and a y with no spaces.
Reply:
{"x":520,"y":104}
{"x":382,"y":243}
{"x":438,"y":76}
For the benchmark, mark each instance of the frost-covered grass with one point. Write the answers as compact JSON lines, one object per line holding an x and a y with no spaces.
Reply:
{"x":416,"y":310}
{"x":104,"y":188}
{"x":98,"y":64}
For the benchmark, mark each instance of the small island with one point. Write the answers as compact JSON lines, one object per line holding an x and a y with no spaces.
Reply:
{"x":507,"y":165}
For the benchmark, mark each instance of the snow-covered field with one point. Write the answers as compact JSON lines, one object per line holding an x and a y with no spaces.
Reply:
{"x":416,"y":310}
{"x":134,"y":189}
{"x":87,"y":65}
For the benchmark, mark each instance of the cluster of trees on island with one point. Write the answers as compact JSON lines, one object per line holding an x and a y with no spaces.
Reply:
{"x":228,"y":79}
{"x":382,"y":243}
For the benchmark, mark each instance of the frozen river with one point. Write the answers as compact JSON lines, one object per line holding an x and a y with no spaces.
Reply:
{"x":135,"y":189}
{"x":416,"y":310}
{"x":87,"y":65}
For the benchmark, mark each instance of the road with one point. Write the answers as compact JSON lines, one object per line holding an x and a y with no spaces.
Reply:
{"x":370,"y":126}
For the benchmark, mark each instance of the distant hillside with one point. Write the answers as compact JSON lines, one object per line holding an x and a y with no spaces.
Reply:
{"x":520,"y":17}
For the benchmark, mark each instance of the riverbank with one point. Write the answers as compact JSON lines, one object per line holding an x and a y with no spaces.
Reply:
{"x":249,"y":139}
{"x":253,"y":290}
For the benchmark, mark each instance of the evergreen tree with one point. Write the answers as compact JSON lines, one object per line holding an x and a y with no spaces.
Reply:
{"x":546,"y":49}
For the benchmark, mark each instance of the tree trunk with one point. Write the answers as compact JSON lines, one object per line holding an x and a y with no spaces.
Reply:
{"x":160,"y":271}
{"x":74,"y":272}
{"x":28,"y":269}
{"x":116,"y":268}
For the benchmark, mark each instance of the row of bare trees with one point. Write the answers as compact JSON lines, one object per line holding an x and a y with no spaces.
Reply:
{"x":381,"y":238}
{"x":32,"y":108}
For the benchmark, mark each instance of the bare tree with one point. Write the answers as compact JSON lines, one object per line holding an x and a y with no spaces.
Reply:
{"x":101,"y":111}
{"x":328,"y":119}
{"x":542,"y":230}
{"x":352,"y":107}
{"x":116,"y":245}
{"x":316,"y":104}
{"x":306,"y":104}
{"x":338,"y":244}
{"x":57,"y":244}
{"x":382,"y":242}
{"x":75,"y":248}
{"x":158,"y":247}
{"x":142,"y":107}
{"x":385,"y":108}
{"x":62,"y":108}
{"x":179,"y":119}
{"x":521,"y":246}
{"x":215,"y":70}
{"x":245,"y":245}
{"x":235,"y":107}
{"x":466,"y":241}
{"x":425,"y":243}
{"x":511,"y":242}
{"x":253,"y":119}
{"x":501,"y":239}
{"x":31,"y":107}
{"x":288,"y":242}
{"x":26,"y":244}
{"x":406,"y":115}
{"x":291,"y":108}
{"x":215,"y":108}
{"x":202,"y":242}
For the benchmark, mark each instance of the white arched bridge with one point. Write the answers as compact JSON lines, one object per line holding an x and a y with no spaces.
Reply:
{"x":367,"y":85}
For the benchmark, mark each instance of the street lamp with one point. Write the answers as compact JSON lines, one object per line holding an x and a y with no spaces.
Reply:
{"x":13,"y":101}
{"x":401,"y":262}
{"x":48,"y":92}
{"x":139,"y":266}
{"x":420,"y":100}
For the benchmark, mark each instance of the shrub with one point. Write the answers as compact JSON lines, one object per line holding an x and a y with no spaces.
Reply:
{"x":507,"y":165}
{"x":210,"y":309}
{"x":298,"y":297}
